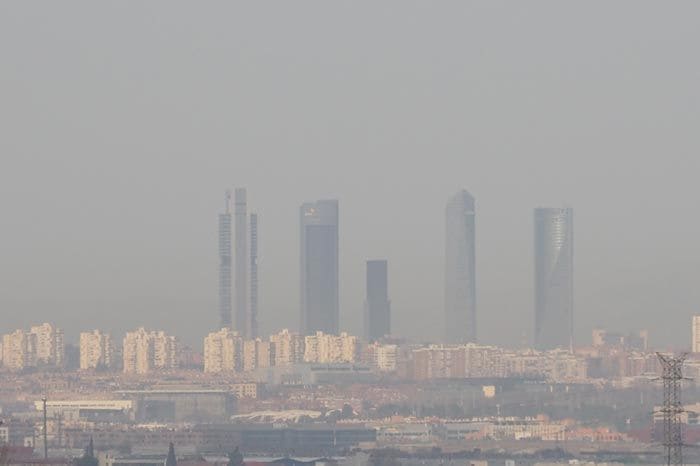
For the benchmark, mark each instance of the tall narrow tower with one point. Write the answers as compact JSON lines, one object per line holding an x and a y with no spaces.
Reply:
{"x":554,"y":278}
{"x":460,"y":269}
{"x":253,"y":275}
{"x":242,"y":322}
{"x":225,"y":264}
{"x":318,"y":272}
{"x":672,"y":410}
{"x":377,"y":304}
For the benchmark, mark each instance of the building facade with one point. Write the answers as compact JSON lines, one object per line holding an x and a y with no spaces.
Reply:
{"x":242,"y":322}
{"x":225,"y":302}
{"x":319,"y":289}
{"x":554,"y":277}
{"x":222,"y":351}
{"x":254,"y":330}
{"x":327,"y":349}
{"x":96,"y":350}
{"x":460,"y":269}
{"x":377,"y":304}
{"x":145,"y":351}
{"x":289,"y":347}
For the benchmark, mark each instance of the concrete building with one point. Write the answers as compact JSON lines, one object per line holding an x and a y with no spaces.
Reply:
{"x":19,"y":350}
{"x":257,"y":354}
{"x":460,"y":269}
{"x":50,"y":350}
{"x":222,"y":351}
{"x":225,"y":303}
{"x":382,"y":357}
{"x":96,"y":350}
{"x":554,"y":277}
{"x":144,"y":351}
{"x":325,"y":349}
{"x":289,"y":347}
{"x":88,"y":410}
{"x":181,"y":404}
{"x":42,"y":345}
{"x":319,"y":288}
{"x":240,"y":280}
{"x":377,"y":304}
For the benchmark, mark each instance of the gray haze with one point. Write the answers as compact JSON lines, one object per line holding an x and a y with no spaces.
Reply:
{"x":122,"y":124}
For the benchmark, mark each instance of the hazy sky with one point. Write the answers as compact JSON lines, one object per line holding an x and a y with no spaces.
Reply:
{"x":122,"y":123}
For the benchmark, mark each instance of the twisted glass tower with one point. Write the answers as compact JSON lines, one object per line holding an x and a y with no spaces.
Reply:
{"x":554,"y":277}
{"x":460,"y":269}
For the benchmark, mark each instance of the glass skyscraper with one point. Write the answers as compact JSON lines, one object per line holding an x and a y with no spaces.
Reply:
{"x":460,"y":269}
{"x":318,"y":272}
{"x":377,"y":304}
{"x":554,"y":277}
{"x":242,"y":322}
{"x":225,"y":264}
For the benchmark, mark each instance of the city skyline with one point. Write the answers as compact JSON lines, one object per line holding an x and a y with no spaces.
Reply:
{"x":136,"y":139}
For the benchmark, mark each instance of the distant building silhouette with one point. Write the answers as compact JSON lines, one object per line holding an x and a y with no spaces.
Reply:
{"x":377,"y":304}
{"x":242,"y":321}
{"x":554,"y":277}
{"x":319,"y":267}
{"x":460,"y":269}
{"x":225,"y":264}
{"x":254,"y":275}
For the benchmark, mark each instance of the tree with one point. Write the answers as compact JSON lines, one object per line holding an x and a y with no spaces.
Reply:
{"x":235,"y":458}
{"x":347,"y":412}
{"x":88,"y":458}
{"x":171,"y":460}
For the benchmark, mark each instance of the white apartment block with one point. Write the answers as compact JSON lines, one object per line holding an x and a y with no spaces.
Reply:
{"x":289,"y":348}
{"x":49,"y":344}
{"x":96,"y":350}
{"x":257,"y":354}
{"x":325,"y":349}
{"x":222,"y":351}
{"x":145,"y":351}
{"x":19,"y":350}
{"x":42,"y":345}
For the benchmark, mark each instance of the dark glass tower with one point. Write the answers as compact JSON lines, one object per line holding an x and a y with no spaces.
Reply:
{"x":460,"y":269}
{"x":319,"y":267}
{"x":554,"y":278}
{"x":377,"y":304}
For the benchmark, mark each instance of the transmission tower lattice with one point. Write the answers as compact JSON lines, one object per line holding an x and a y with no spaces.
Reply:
{"x":672,"y":375}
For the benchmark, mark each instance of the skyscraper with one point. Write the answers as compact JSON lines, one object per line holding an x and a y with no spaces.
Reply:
{"x":225,"y":264}
{"x":253,"y":275}
{"x":377,"y":305}
{"x":554,"y":277}
{"x":319,"y":267}
{"x":242,"y":322}
{"x":460,"y":269}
